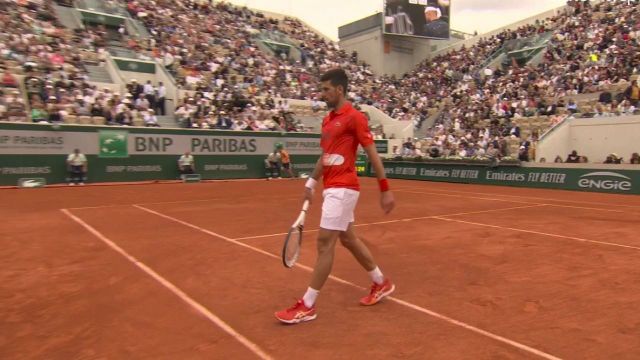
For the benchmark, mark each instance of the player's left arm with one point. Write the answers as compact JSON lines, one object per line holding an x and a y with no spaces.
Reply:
{"x":365,"y":139}
{"x":387,"y":200}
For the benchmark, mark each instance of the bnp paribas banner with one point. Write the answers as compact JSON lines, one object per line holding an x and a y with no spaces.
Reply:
{"x":135,"y":154}
{"x":599,"y":180}
{"x":107,"y":143}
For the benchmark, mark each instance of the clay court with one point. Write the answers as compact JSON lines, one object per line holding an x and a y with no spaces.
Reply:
{"x":193,"y":271}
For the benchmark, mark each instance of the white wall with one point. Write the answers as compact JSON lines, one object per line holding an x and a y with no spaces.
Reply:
{"x":554,"y":143}
{"x":405,"y":52}
{"x":581,"y":166}
{"x":113,"y":70}
{"x":399,"y":129}
{"x":370,"y":47}
{"x":594,"y":138}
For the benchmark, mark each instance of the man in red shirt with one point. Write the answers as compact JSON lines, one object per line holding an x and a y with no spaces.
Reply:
{"x":343,"y":129}
{"x":9,"y":80}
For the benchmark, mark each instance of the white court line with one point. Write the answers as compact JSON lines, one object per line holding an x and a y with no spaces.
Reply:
{"x":540,"y":233}
{"x":402,"y":220}
{"x":513,"y":201}
{"x":221,"y":198}
{"x":97,"y":207}
{"x":174,"y":289}
{"x":463,"y":196}
{"x":534,"y":197}
{"x":187,"y":201}
{"x":398,"y":301}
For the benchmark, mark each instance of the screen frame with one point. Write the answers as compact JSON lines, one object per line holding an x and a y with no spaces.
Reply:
{"x":384,"y":32}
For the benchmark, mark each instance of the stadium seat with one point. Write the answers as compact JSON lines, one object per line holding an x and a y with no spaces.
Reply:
{"x":99,"y":120}
{"x":84,"y":120}
{"x":70,"y":119}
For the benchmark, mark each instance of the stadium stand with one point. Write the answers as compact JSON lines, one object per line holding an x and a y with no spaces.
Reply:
{"x":241,"y":74}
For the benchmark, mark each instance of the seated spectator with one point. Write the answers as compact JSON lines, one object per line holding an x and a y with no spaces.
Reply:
{"x":39,"y":113}
{"x":142,"y":103}
{"x":515,"y":131}
{"x":186,"y":163}
{"x":125,"y":117}
{"x":316,"y":105}
{"x":3,"y":108}
{"x":523,"y":154}
{"x":632,"y":93}
{"x":600,"y":111}
{"x":150,"y":119}
{"x":77,"y":167}
{"x":434,"y":150}
{"x":408,"y":148}
{"x":16,"y":109}
{"x":573,"y":157}
{"x":613,"y":159}
{"x":273,"y":164}
{"x":224,"y":121}
{"x":626,"y":108}
{"x":492,"y":152}
{"x":81,"y":108}
{"x":605,"y":97}
{"x":635,"y":159}
{"x":8,"y":80}
{"x":53,"y":109}
{"x":558,"y":159}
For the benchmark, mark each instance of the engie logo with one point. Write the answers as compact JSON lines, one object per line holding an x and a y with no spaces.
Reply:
{"x":605,"y":180}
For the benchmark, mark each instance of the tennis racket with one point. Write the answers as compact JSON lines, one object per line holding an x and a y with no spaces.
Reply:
{"x":293,"y":241}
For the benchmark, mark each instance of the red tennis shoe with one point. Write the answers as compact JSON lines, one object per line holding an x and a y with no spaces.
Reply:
{"x":297,"y":313}
{"x":378,"y":292}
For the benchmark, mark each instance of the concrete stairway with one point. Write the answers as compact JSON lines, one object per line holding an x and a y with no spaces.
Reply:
{"x":98,"y":74}
{"x":167,"y":121}
{"x":69,"y":17}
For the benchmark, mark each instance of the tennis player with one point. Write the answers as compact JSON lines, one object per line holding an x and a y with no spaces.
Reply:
{"x":343,"y":129}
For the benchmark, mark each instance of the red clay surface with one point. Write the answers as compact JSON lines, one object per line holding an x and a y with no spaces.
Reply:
{"x":534,"y":273}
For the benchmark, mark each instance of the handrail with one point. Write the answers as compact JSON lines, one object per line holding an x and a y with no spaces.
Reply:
{"x":554,"y":127}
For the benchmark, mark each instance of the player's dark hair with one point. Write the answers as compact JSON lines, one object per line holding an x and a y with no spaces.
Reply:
{"x":338,"y":77}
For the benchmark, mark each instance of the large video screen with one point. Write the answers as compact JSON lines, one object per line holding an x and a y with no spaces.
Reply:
{"x":423,"y":18}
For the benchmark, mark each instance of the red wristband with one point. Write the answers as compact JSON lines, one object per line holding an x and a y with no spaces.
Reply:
{"x":384,"y":185}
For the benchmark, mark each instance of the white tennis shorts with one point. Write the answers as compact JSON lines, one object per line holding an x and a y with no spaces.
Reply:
{"x":337,"y":208}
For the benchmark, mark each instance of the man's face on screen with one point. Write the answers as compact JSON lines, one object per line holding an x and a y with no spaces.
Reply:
{"x":330,"y":94}
{"x":431,"y":15}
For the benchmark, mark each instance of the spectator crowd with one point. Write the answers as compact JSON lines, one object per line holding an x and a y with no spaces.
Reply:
{"x":233,"y":83}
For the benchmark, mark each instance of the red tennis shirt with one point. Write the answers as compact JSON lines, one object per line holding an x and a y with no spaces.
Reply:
{"x":342,"y":131}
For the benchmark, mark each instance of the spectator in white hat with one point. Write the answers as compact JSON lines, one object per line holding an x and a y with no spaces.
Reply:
{"x":150,"y":119}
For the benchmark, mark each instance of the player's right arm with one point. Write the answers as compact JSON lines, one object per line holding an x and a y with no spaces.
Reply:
{"x":310,"y":186}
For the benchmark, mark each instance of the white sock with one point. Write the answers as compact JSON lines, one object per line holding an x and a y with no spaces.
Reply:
{"x":376,"y":276}
{"x":310,"y":297}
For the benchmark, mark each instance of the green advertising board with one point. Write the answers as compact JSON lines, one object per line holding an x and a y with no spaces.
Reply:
{"x":361,"y":165}
{"x":112,"y":144}
{"x":134,"y":65}
{"x":598,"y":180}
{"x":135,"y":154}
{"x":382,"y":146}
{"x":101,"y":18}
